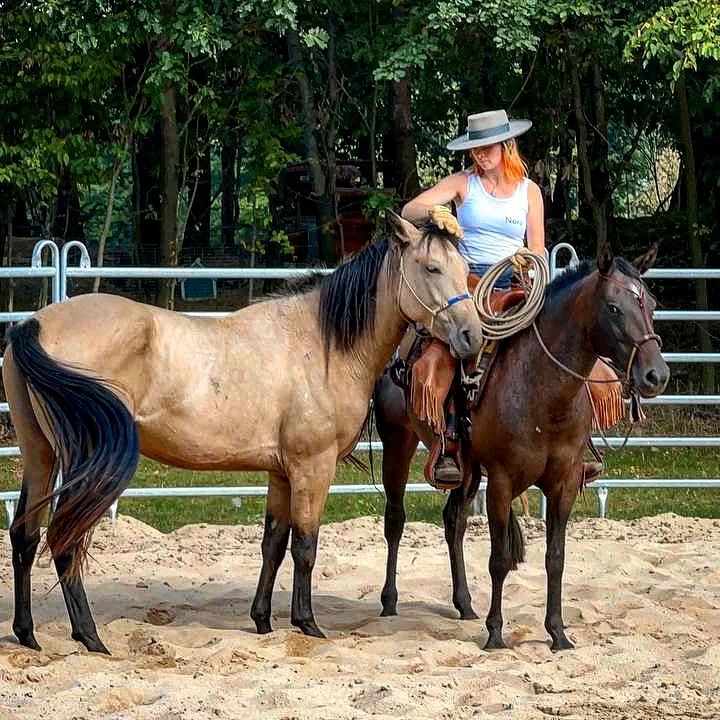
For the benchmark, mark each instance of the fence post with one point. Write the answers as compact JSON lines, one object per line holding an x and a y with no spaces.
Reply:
{"x":602,"y":493}
{"x":85,"y":262}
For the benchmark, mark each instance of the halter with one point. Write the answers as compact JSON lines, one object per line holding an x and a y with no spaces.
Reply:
{"x":433,"y":312}
{"x":648,"y":336}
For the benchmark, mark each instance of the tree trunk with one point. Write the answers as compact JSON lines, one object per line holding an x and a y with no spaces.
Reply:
{"x":694,"y":243}
{"x":408,"y":183}
{"x":589,"y":193}
{"x":169,"y":189}
{"x":318,"y":180}
{"x":108,"y":218}
{"x":147,"y":198}
{"x":196,"y":240}
{"x":66,"y":223}
{"x":559,"y":206}
{"x":229,"y":204}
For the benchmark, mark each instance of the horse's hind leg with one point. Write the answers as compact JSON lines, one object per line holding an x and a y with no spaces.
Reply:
{"x":399,"y":446}
{"x":455,"y":519}
{"x":38,"y":466}
{"x":274,"y":545}
{"x":76,"y":602}
{"x":25,"y":537}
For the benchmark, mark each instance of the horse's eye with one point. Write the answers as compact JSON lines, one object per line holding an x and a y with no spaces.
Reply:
{"x":432,"y":268}
{"x":614,"y":309}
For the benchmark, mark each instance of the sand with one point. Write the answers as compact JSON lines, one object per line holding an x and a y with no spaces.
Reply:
{"x":642,"y":604}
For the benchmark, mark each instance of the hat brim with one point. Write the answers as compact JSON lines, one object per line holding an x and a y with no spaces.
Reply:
{"x":517,"y":127}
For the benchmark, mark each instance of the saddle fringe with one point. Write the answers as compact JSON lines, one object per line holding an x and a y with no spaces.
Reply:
{"x":432,"y":376}
{"x":427,"y":403}
{"x":606,"y":398}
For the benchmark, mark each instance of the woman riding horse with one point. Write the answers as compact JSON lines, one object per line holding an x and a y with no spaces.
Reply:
{"x":499,"y":210}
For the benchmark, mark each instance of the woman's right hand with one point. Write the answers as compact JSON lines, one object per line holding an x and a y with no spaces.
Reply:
{"x":445,"y":220}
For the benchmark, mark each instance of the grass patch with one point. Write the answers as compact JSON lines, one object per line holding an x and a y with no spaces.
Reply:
{"x":167,"y":514}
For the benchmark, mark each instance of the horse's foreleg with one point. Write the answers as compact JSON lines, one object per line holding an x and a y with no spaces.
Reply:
{"x":499,"y":498}
{"x":81,"y":619}
{"x":399,"y":446}
{"x":309,"y":485}
{"x":274,"y":545}
{"x":455,"y":516}
{"x":560,"y":502}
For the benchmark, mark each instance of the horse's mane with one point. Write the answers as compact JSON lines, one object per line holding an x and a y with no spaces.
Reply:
{"x":348,"y":295}
{"x":558,"y":288}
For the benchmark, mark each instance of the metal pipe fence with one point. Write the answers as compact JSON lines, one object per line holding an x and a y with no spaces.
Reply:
{"x":60,"y":271}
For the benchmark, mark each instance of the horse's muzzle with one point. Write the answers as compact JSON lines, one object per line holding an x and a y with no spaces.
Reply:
{"x":651,"y":381}
{"x":464,"y":342}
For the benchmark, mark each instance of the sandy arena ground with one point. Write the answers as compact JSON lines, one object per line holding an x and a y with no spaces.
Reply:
{"x":642,"y":604}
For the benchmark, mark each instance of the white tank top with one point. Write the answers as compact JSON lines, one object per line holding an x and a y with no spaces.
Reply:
{"x":494,"y":227}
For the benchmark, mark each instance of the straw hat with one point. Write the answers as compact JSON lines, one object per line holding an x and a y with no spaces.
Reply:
{"x":487,"y":128}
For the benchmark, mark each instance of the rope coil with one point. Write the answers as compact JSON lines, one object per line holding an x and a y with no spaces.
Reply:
{"x":499,"y":327}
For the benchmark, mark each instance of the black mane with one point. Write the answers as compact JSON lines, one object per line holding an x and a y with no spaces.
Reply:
{"x":567,"y":279}
{"x":347,"y":297}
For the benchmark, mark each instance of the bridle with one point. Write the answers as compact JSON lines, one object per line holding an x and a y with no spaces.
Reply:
{"x":647,"y":337}
{"x":434,"y":312}
{"x":636,"y":414}
{"x":625,"y":374}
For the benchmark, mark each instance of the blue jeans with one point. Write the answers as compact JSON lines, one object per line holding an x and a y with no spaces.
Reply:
{"x":503,"y":282}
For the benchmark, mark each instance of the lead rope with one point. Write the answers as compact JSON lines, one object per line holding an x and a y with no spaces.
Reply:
{"x":499,"y":327}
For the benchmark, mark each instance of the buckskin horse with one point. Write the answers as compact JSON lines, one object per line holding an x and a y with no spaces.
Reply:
{"x":281,"y":386}
{"x":531,"y":426}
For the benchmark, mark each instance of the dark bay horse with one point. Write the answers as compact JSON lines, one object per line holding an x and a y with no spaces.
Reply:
{"x":531,"y":426}
{"x":281,"y":386}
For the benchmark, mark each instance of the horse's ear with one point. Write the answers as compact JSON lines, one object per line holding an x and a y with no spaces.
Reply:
{"x":405,"y":232}
{"x":646,"y":261}
{"x":605,"y":258}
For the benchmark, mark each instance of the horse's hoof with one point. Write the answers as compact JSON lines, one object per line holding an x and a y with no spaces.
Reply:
{"x":308,"y":627}
{"x":263,"y":627}
{"x":561,"y":644}
{"x":92,"y":642}
{"x":27,"y":638}
{"x":388,"y":612}
{"x":495,"y":643}
{"x":468,"y":614}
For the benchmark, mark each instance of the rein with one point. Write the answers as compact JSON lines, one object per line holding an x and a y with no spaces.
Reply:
{"x":404,"y":282}
{"x":635,"y":412}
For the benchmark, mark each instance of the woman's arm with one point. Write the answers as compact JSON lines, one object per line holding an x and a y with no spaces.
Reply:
{"x":535,"y":220}
{"x":450,"y":188}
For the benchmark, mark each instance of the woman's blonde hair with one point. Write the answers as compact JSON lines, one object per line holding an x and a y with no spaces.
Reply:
{"x":514,"y":167}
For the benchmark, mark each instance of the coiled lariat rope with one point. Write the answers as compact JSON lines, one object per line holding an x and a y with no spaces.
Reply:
{"x":512,"y":321}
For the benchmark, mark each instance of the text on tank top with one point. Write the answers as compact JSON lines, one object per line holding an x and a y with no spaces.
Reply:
{"x":494,"y":228}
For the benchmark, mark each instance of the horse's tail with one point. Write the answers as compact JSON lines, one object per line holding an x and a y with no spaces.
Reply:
{"x":516,"y":540}
{"x":94,"y":437}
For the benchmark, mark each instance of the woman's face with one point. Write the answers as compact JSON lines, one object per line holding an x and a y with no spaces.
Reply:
{"x":489,"y":157}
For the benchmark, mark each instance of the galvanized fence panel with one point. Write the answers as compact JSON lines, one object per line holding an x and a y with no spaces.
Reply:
{"x":61,"y":270}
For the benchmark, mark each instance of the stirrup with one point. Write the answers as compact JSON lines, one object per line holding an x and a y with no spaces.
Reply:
{"x":471,"y":386}
{"x":399,"y":373}
{"x":447,"y":475}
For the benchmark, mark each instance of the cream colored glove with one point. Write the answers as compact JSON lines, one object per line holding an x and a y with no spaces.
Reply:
{"x":445,"y":220}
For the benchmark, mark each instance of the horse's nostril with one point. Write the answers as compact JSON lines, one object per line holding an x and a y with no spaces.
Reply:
{"x":467,"y":336}
{"x":652,"y":378}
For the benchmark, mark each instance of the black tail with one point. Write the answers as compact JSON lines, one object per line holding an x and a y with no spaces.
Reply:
{"x":94,"y":436}
{"x":515,"y":540}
